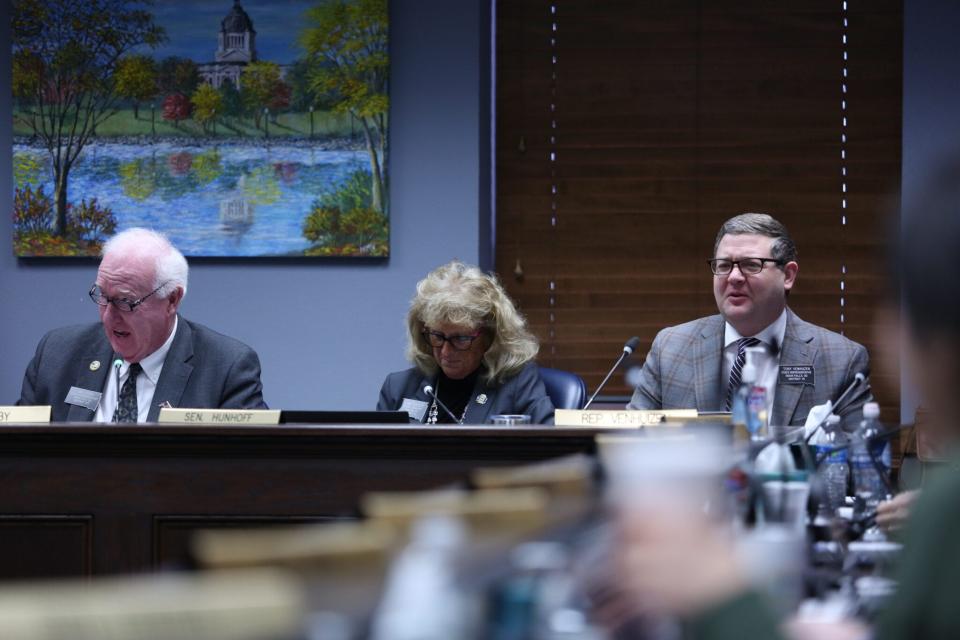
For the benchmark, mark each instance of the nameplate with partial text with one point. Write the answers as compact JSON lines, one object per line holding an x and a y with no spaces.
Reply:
{"x":624,"y":419}
{"x":219,"y":417}
{"x":25,"y":415}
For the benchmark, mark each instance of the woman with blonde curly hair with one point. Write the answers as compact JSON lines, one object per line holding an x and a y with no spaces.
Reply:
{"x":468,"y":342}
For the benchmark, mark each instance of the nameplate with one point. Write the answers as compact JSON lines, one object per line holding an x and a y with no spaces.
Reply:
{"x":219,"y":417}
{"x":24,"y":415}
{"x":626,"y":419}
{"x":801,"y":374}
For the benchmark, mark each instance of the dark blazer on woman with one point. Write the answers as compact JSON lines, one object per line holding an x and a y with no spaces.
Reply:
{"x":523,"y":393}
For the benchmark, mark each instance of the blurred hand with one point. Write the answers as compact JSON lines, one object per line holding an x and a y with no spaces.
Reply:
{"x":835,"y":630}
{"x":893,"y":514}
{"x":675,"y":561}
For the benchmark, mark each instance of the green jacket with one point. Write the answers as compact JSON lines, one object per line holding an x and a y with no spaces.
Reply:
{"x":927,"y":603}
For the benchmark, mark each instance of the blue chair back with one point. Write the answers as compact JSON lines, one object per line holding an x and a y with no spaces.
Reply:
{"x":566,"y":390}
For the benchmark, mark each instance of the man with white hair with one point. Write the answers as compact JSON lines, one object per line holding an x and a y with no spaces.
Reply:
{"x":142,"y":355}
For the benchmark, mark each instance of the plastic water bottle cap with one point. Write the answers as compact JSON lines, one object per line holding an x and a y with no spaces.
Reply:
{"x":871,"y":410}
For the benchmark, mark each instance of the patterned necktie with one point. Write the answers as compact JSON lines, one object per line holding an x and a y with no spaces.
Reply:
{"x":737,"y":370}
{"x":127,"y":403}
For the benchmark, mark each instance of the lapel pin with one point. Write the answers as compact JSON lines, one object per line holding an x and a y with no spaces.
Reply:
{"x":94,"y":365}
{"x":482,"y":398}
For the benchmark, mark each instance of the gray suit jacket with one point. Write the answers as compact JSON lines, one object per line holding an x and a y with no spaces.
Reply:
{"x":203,"y":369}
{"x":684,"y":368}
{"x":523,"y":393}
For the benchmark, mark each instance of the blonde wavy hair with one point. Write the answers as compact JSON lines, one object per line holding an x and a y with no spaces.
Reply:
{"x":461,"y":294}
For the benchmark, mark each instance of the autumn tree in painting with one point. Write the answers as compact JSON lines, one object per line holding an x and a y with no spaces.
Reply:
{"x":207,"y":103}
{"x":136,"y":79}
{"x":258,"y":86}
{"x":66,"y":55}
{"x":176,"y":107}
{"x":346,"y":45}
{"x":178,"y":75}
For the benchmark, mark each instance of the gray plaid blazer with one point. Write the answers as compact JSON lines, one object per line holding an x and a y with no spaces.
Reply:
{"x":684,"y":370}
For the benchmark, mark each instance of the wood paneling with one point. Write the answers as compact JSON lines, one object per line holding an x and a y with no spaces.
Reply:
{"x":143,"y":489}
{"x":628,"y":131}
{"x":39,"y":546}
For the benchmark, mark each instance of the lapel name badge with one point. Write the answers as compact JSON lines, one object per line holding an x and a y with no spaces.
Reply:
{"x":83,"y":398}
{"x":94,"y":365}
{"x":414,"y":408}
{"x":482,"y":398}
{"x":801,"y":374}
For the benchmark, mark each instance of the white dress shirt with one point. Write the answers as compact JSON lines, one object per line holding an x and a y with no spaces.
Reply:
{"x":146,"y":382}
{"x":766,"y":364}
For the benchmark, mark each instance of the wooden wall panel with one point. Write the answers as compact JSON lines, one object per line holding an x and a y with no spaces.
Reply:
{"x":628,"y":131}
{"x":65,"y":544}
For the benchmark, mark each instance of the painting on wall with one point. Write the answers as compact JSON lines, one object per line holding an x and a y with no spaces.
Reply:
{"x":239,"y":128}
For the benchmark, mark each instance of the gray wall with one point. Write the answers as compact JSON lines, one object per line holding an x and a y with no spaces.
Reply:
{"x":931,"y":104}
{"x":327,"y":334}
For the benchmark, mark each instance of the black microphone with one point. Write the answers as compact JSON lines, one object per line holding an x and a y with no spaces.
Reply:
{"x":628,"y":348}
{"x":117,"y":363}
{"x":429,"y":391}
{"x":858,"y":379}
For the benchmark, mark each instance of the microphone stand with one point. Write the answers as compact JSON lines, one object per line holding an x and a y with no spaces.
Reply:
{"x":857,"y":381}
{"x":430,"y":392}
{"x":628,"y":349}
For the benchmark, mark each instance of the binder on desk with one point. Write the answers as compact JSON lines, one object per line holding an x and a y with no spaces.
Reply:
{"x":344,"y":417}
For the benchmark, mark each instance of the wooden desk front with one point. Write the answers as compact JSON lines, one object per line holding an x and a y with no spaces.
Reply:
{"x":86,"y":499}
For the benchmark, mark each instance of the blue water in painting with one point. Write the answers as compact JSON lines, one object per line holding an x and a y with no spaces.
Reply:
{"x":193,"y":194}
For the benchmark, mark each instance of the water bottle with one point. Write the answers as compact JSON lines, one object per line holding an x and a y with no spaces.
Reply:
{"x":872,"y":427}
{"x":421,"y":599}
{"x":833,"y":468}
{"x":756,"y":407}
{"x":867,"y":481}
{"x":748,"y":407}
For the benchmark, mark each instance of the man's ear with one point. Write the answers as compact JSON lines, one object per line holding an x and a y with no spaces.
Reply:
{"x":790,"y":274}
{"x":174,"y":298}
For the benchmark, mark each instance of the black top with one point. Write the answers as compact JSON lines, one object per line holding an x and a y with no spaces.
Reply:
{"x":521,"y":393}
{"x":456,"y":394}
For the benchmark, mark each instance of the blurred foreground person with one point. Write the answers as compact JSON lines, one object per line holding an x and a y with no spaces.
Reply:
{"x":677,"y":562}
{"x":142,"y":354}
{"x":471,"y":346}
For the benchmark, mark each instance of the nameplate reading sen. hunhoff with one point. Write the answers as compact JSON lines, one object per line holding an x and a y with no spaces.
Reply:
{"x":219,"y":417}
{"x":632,"y":419}
{"x":25,"y":415}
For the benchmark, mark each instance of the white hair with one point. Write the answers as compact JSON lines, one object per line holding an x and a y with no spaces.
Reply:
{"x":171,"y":269}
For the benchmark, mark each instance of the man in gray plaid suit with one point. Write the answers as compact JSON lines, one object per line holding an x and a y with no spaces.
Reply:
{"x":698,"y":364}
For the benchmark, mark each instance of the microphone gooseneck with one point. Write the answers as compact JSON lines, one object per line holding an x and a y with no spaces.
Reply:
{"x":628,"y":348}
{"x":858,"y":379}
{"x":430,"y":392}
{"x":117,"y":363}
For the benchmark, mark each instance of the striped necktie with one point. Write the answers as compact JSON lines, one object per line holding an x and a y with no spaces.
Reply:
{"x":127,"y":402}
{"x":736,"y":372}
